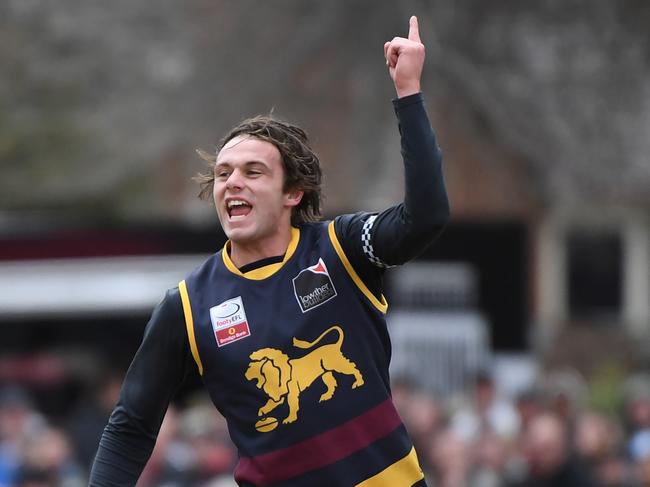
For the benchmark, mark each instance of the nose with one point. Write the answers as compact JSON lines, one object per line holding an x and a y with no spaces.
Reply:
{"x":234,"y":180}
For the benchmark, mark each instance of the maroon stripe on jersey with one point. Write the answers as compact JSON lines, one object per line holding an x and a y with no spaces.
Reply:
{"x":320,"y":450}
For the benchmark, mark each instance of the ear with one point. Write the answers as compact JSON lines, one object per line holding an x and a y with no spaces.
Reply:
{"x":293,"y":197}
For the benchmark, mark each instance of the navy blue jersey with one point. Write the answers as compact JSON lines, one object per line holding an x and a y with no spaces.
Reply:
{"x":295,"y":356}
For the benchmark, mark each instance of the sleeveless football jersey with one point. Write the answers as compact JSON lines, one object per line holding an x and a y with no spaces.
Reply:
{"x":295,"y":356}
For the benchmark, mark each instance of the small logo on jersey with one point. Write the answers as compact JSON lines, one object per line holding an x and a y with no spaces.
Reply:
{"x":229,"y":321}
{"x":313,"y":286}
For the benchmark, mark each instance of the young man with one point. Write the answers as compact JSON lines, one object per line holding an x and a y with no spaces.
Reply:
{"x":286,"y":323}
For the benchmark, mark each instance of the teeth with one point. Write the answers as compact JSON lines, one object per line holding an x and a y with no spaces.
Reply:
{"x":236,"y":203}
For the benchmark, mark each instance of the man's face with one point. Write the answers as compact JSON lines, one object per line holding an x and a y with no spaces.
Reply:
{"x":248,"y":191}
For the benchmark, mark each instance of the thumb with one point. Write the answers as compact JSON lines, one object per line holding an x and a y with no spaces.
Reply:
{"x":414,"y":30}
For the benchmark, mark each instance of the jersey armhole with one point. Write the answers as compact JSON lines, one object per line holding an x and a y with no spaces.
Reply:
{"x":381,"y":305}
{"x":189,"y":324}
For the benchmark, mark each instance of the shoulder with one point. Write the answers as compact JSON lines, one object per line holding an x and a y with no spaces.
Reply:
{"x":314,"y":227}
{"x":166,"y":318}
{"x":314,"y":232}
{"x":171,"y":302}
{"x":351,"y":226}
{"x":354,"y":232}
{"x":345,"y":231}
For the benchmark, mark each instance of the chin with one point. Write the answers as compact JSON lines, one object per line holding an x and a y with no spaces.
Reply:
{"x":239,"y":235}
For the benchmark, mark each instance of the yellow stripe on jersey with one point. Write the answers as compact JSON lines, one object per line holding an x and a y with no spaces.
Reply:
{"x":402,"y":473}
{"x":380,"y":305}
{"x":268,"y":270}
{"x":189,"y":324}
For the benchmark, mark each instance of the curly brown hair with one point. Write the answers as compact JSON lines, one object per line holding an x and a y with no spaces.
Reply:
{"x":302,"y":170}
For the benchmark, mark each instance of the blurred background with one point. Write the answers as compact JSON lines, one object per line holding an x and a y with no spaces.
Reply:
{"x":521,"y":337}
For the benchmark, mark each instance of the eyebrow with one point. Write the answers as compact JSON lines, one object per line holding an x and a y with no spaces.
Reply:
{"x":246,"y":164}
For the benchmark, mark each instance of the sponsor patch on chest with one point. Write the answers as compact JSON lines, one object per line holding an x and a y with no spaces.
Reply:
{"x":313,"y":286}
{"x":229,"y":321}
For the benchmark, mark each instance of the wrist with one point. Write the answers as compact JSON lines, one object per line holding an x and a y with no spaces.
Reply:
{"x":404,"y":91}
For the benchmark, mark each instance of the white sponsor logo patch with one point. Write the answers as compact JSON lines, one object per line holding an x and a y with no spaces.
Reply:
{"x":229,"y":322}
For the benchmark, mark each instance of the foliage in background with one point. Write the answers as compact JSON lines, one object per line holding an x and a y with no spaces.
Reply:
{"x":96,"y":94}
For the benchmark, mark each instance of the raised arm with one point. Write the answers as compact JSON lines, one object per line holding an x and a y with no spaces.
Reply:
{"x":403,"y":231}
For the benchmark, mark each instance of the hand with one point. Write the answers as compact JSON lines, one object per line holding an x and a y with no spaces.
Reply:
{"x":405,"y":60}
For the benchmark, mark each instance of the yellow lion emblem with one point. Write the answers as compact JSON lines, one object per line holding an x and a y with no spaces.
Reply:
{"x":281,"y":377}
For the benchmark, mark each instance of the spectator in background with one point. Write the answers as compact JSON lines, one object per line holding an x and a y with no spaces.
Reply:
{"x":486,"y":413}
{"x":18,"y":421}
{"x":49,"y":461}
{"x":87,"y":422}
{"x":598,"y":444}
{"x":548,"y":458}
{"x":448,"y":458}
{"x":528,"y":405}
{"x":564,"y":391}
{"x":193,"y":448}
{"x":206,"y":433}
{"x":636,"y":414}
{"x":423,"y":417}
{"x":402,"y":389}
{"x":642,"y":473}
{"x":491,"y":461}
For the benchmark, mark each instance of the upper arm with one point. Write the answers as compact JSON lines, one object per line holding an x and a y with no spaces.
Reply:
{"x":350,"y":229}
{"x":158,"y":368}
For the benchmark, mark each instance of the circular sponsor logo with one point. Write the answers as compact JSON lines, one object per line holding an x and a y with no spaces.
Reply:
{"x":225,"y":310}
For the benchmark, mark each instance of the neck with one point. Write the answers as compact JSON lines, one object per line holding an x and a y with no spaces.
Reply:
{"x":243,"y":253}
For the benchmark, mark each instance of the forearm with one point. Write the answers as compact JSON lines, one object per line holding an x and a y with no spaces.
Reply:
{"x":121,"y":457}
{"x":156,"y":373}
{"x":402,"y":232}
{"x":425,"y":196}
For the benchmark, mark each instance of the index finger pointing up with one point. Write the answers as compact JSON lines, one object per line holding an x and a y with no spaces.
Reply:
{"x":414,"y":31}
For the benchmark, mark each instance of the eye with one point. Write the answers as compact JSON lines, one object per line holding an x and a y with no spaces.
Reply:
{"x":254,"y":172}
{"x":221,"y":173}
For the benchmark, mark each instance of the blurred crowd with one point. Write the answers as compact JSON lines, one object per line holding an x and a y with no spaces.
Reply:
{"x":193,"y":447}
{"x":550,"y":434}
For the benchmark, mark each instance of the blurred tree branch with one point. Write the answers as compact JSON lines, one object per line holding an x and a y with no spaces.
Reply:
{"x":109,"y":95}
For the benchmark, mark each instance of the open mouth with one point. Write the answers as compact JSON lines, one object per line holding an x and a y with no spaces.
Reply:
{"x":238,"y":208}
